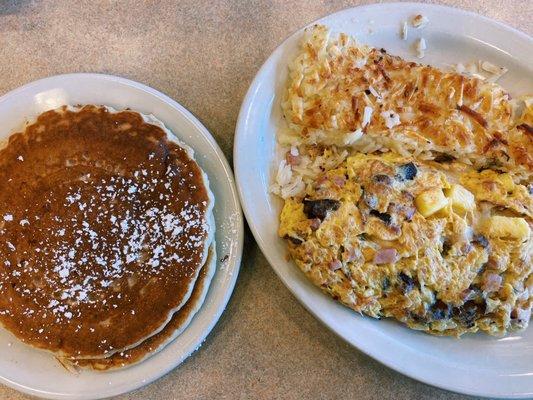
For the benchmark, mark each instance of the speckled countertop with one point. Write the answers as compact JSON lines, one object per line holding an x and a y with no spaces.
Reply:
{"x":204,"y":54}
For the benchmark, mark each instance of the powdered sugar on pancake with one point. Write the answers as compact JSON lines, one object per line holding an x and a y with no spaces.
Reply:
{"x":107,"y":229}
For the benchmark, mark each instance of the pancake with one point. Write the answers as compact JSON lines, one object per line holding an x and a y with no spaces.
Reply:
{"x":105,"y":227}
{"x":172,"y":330}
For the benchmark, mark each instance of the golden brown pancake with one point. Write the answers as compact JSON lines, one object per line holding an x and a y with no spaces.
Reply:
{"x":104,"y":228}
{"x":173,"y":329}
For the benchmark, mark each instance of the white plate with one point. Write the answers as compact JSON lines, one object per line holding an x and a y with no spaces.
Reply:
{"x":476,"y":364}
{"x":36,"y":372}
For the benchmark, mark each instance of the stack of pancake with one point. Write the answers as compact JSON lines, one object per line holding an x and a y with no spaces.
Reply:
{"x":106,"y":236}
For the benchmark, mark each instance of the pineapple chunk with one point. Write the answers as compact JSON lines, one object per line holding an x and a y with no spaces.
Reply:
{"x":506,"y":227}
{"x":461,"y":199}
{"x":430,"y":201}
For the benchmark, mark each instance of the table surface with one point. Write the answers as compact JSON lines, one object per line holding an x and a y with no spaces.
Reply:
{"x":204,"y":54}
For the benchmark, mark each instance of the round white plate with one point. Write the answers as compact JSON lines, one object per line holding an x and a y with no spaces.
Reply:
{"x":476,"y":364}
{"x":36,"y":372}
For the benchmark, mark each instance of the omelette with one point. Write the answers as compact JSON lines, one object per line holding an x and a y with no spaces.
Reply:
{"x":407,"y":190}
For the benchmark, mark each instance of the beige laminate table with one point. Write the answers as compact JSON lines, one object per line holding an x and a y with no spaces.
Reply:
{"x":204,"y":54}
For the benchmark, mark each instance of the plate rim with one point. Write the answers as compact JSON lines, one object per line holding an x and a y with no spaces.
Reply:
{"x":240,"y":133}
{"x":231,"y":269}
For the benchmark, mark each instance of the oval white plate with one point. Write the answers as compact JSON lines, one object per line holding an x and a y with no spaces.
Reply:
{"x":476,"y":364}
{"x":36,"y":372}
